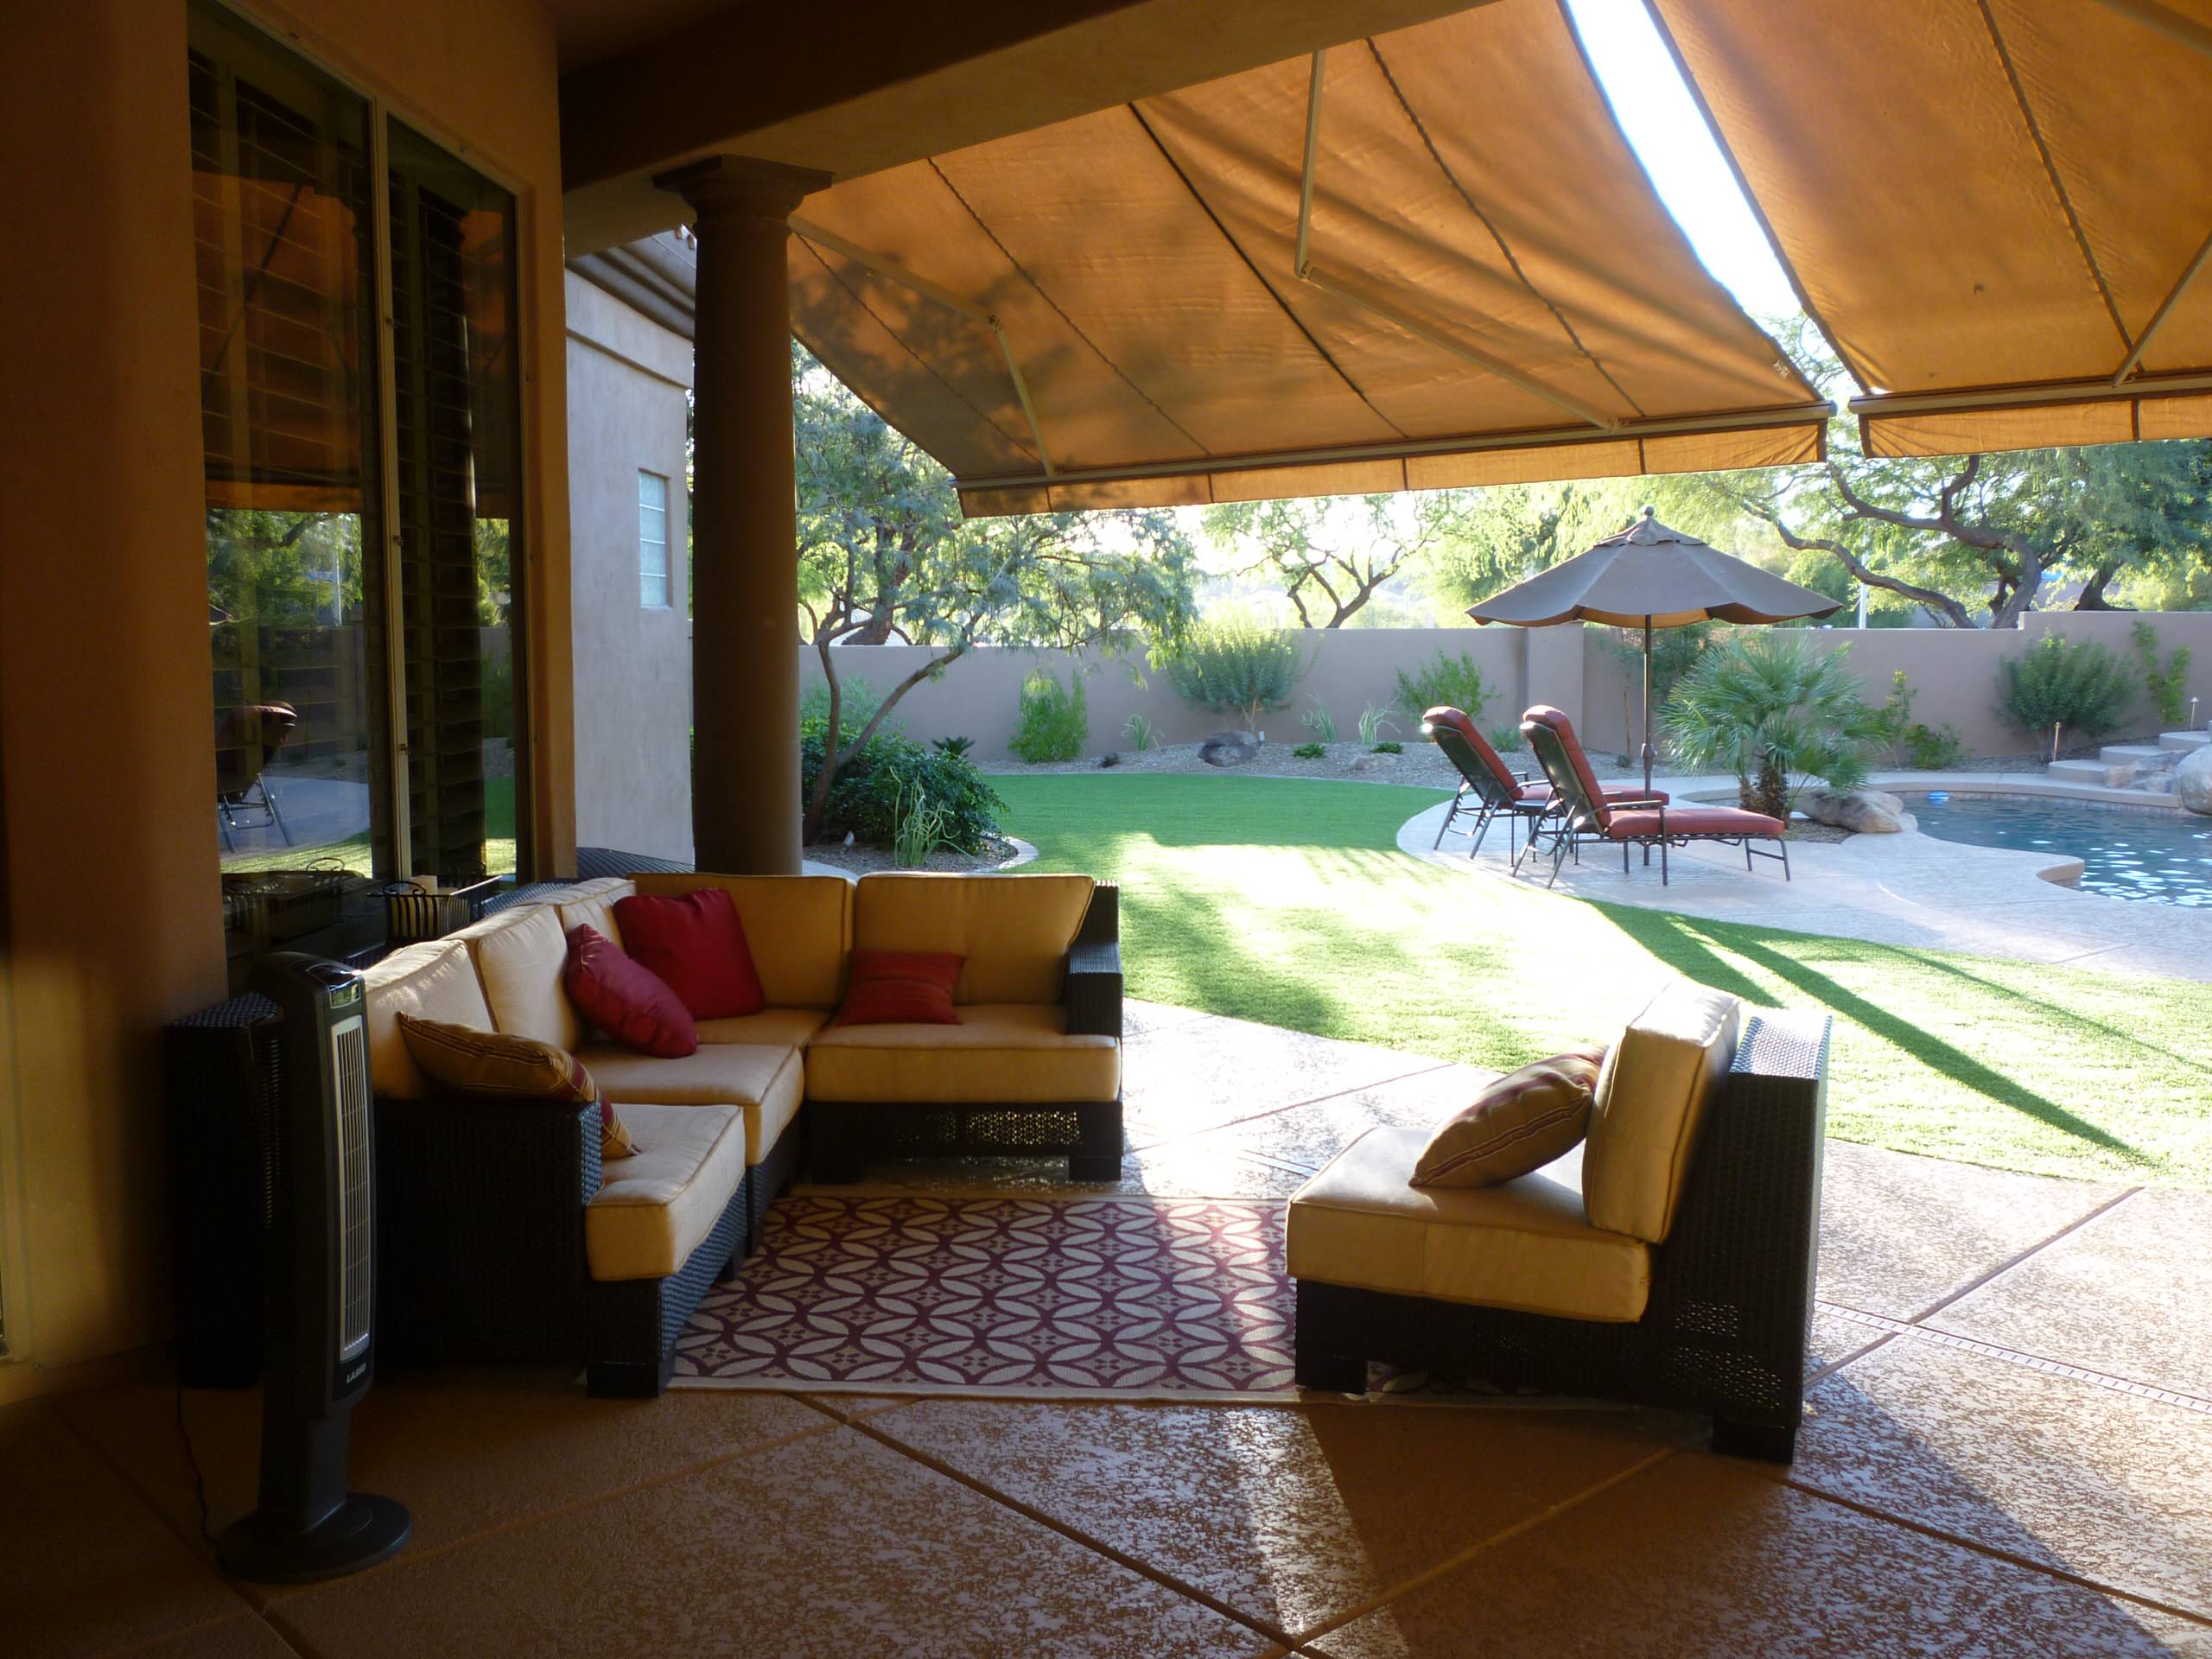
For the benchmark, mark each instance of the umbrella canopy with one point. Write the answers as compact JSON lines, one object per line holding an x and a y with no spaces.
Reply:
{"x":1651,"y":576}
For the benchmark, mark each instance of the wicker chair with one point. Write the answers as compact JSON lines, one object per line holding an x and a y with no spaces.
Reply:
{"x":1724,"y":1329}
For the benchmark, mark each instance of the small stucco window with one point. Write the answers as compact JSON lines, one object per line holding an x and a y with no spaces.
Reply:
{"x":653,"y":541}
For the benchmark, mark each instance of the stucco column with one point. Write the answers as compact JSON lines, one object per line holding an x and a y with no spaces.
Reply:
{"x":745,"y":806}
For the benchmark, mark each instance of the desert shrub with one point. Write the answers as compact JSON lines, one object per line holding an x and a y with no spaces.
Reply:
{"x":2078,"y":684}
{"x":917,"y":826}
{"x":1372,"y":720}
{"x":1452,"y":682}
{"x":859,"y":702}
{"x":1141,"y":733}
{"x":953,"y":745}
{"x":1319,"y":721}
{"x":1913,"y":741}
{"x":1389,"y":748}
{"x":1933,"y":751}
{"x":1311,"y":750}
{"x":2166,"y":687}
{"x":879,"y":783}
{"x":1234,"y":666}
{"x":1506,"y":739}
{"x":1054,"y":719}
{"x":1771,"y":707}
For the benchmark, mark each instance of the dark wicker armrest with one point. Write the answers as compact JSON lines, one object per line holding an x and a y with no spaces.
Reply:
{"x":1094,"y":990}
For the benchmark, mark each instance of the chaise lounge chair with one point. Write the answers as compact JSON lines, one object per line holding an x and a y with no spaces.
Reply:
{"x":1589,"y":812}
{"x":1488,"y":788}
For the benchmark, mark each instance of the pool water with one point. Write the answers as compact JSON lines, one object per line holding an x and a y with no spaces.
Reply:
{"x":2127,"y":852}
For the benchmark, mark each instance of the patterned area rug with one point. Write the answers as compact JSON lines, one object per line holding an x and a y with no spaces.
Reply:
{"x":1103,"y":1298}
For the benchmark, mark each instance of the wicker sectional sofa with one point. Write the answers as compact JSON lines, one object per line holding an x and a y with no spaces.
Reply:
{"x":503,"y":1237}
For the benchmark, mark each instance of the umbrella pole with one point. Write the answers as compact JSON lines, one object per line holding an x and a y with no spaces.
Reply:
{"x":1647,"y":708}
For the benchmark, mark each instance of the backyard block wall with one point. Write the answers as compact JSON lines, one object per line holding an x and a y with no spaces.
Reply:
{"x":1954,"y":673}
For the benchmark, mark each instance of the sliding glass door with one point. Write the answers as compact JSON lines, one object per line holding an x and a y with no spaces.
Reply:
{"x":359,"y":402}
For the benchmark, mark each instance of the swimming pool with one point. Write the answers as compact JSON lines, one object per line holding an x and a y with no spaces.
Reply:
{"x":2127,"y":852}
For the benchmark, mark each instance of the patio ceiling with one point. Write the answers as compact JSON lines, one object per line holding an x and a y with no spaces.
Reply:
{"x":1998,"y":210}
{"x":1425,"y":259}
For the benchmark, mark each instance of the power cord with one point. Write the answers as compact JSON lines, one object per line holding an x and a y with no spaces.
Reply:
{"x":199,"y":1480}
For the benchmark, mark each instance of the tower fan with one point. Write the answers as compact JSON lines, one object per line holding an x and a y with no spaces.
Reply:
{"x":321,"y":1290}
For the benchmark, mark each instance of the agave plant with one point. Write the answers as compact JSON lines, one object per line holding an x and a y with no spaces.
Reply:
{"x":1774,"y":709}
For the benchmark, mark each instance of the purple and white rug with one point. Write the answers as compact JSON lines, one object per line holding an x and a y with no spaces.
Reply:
{"x":1109,"y":1298}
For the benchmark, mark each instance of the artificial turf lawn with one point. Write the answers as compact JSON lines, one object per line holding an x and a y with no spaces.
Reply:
{"x":1287,"y":902}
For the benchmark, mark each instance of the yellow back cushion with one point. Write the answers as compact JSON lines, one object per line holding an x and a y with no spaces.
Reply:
{"x":1651,"y":1099}
{"x":519,"y":955}
{"x":593,"y":906}
{"x":1013,"y":930}
{"x":798,"y":927}
{"x":434,"y":981}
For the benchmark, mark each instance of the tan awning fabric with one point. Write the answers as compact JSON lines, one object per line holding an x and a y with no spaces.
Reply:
{"x":1471,"y":197}
{"x":1987,"y":204}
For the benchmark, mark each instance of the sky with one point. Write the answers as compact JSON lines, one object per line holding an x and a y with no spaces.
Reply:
{"x":1662,"y":123}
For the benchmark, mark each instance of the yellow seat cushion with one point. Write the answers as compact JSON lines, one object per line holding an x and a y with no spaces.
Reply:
{"x":656,"y":1208}
{"x":1003,"y":1053}
{"x":591,"y":903}
{"x":798,"y":929}
{"x":776,"y":1027}
{"x":765,"y":1082}
{"x":520,"y":956}
{"x":1651,"y":1099}
{"x":434,"y":981}
{"x":1011,"y":932}
{"x":1525,"y":1244}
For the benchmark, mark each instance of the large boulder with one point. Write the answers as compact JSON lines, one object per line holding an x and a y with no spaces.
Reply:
{"x":2193,"y":780}
{"x":1230,"y":748}
{"x":1863,"y":812}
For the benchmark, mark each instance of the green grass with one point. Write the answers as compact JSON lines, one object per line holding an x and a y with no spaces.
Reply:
{"x":1287,"y":901}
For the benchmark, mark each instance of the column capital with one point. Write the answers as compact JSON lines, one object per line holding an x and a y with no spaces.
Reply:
{"x":743,"y":185}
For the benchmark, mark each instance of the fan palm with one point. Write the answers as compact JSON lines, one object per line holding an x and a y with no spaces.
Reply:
{"x":1777,"y":711}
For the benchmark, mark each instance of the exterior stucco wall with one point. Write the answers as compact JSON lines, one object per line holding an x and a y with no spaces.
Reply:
{"x":626,"y":381}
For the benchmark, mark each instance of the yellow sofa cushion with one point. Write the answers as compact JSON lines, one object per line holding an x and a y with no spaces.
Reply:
{"x":656,"y":1208}
{"x":1012,"y":931}
{"x":591,"y":903}
{"x":519,"y":954}
{"x":1525,"y":1244}
{"x":798,"y":927}
{"x":433,"y":981}
{"x":775,"y":1027}
{"x":1651,"y":1098}
{"x":1016,"y":1052}
{"x":765,"y":1081}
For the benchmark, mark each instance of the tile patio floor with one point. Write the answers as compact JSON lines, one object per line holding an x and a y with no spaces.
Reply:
{"x":2009,"y":1452}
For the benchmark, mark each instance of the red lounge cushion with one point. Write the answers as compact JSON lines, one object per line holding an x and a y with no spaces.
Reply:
{"x":694,"y":944}
{"x":1623,"y":792}
{"x":626,"y":999}
{"x":901,"y":987}
{"x":1692,"y":821}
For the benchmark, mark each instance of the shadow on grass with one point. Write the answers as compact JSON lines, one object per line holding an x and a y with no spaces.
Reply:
{"x":1687,"y":942}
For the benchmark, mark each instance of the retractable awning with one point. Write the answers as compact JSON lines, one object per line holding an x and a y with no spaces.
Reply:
{"x":1425,"y":259}
{"x":1999,"y":211}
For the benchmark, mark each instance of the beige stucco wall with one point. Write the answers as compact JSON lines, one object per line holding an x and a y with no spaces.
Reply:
{"x":626,"y":381}
{"x":1954,"y":673}
{"x":111,"y":921}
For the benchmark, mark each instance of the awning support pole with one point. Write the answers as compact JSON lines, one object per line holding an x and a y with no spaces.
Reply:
{"x":2165,"y":309}
{"x":1443,"y":342}
{"x":897,"y":273}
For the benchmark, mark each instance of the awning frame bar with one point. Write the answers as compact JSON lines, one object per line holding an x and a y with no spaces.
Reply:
{"x":1880,"y":403}
{"x":1307,"y":272}
{"x":2165,"y":308}
{"x":1544,"y":438}
{"x":2187,"y":31}
{"x":893,"y":271}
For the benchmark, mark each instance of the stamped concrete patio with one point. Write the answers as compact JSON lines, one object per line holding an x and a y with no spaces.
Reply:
{"x":2009,"y":1452}
{"x":1907,"y":889}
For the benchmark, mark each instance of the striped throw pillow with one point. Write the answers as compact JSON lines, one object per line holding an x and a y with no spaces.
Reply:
{"x":498,"y":1065}
{"x":1519,"y":1123}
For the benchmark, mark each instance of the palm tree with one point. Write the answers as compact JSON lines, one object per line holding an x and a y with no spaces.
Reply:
{"x":1777,"y":710}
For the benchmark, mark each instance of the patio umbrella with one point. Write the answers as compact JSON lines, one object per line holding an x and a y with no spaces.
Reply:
{"x":1651,"y":576}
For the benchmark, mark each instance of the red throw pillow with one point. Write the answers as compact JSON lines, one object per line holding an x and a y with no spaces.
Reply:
{"x":901,"y":987}
{"x":626,"y":999}
{"x":694,"y":944}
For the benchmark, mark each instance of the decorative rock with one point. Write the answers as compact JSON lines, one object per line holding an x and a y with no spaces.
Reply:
{"x":1373,"y":762}
{"x":1230,"y":748}
{"x":1864,"y":811}
{"x":2193,"y":780}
